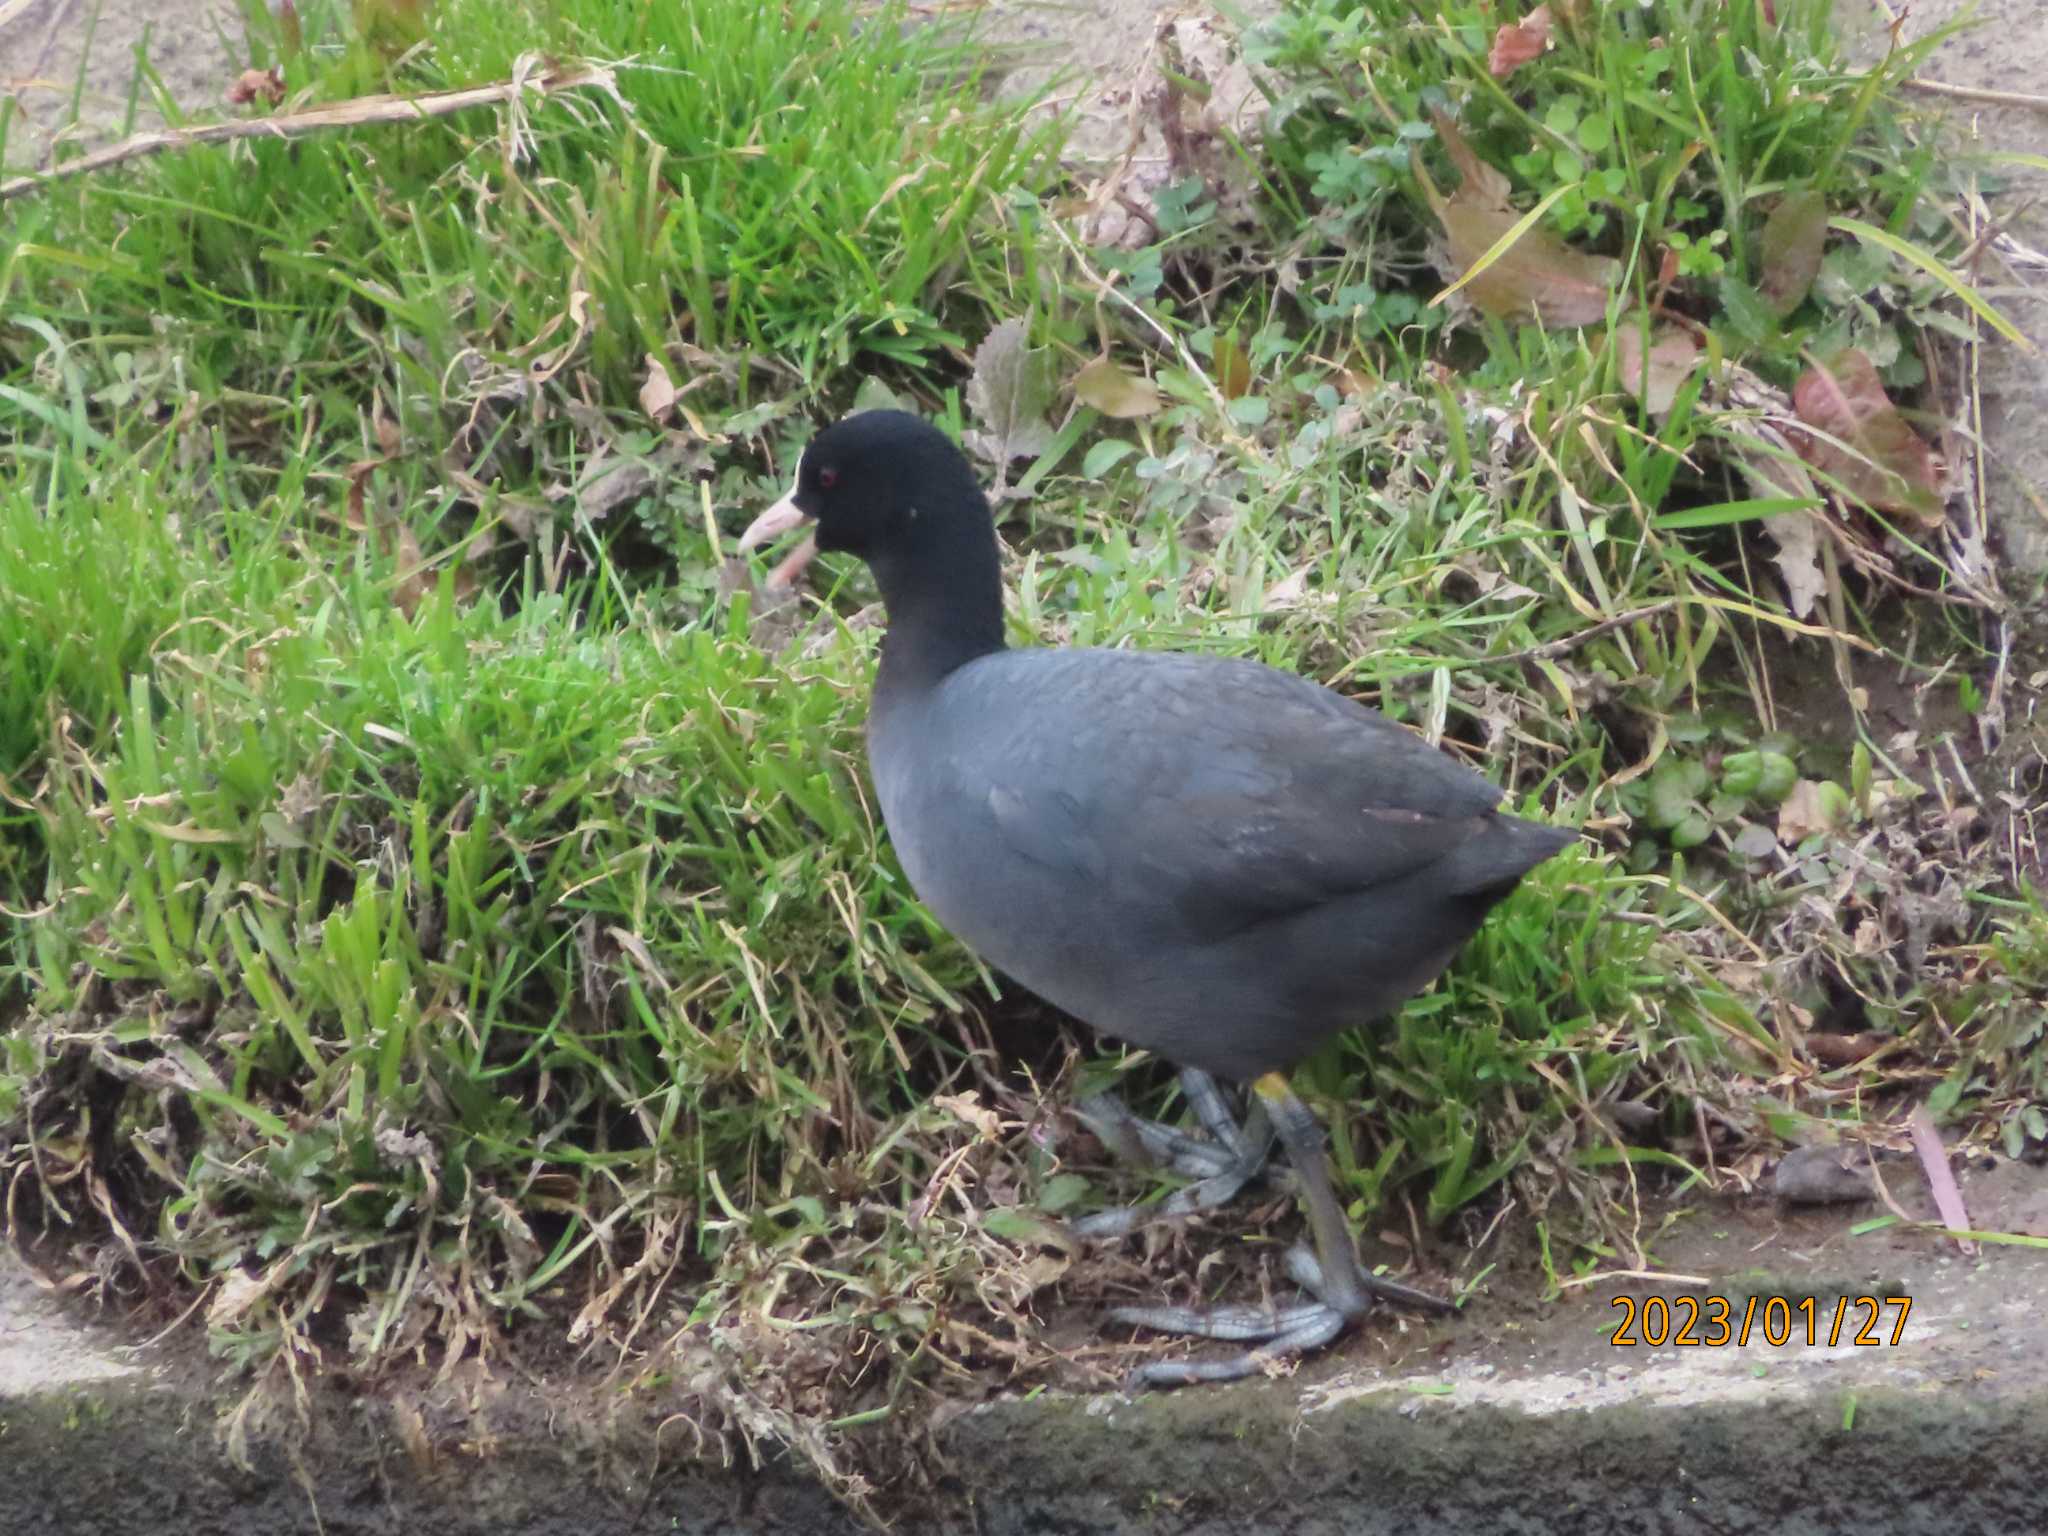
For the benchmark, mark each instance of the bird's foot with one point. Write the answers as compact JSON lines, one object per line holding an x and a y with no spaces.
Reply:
{"x":1220,"y":1166}
{"x":1278,"y":1333}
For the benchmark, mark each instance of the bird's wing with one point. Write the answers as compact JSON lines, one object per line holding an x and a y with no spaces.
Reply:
{"x":1228,"y":790}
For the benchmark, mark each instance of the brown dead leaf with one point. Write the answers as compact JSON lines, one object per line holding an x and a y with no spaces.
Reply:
{"x":357,"y":478}
{"x":1797,"y":535}
{"x":1516,"y":45}
{"x":1813,"y":806}
{"x":1655,"y":379}
{"x":657,"y":391}
{"x":1794,"y":239}
{"x":1108,"y":389}
{"x":609,"y":483}
{"x":1755,"y":420}
{"x":1539,"y":277}
{"x":968,"y":1109}
{"x":390,"y":536}
{"x":1478,"y":182}
{"x":1667,"y":276}
{"x":414,"y":580}
{"x":1288,"y":592}
{"x":1845,"y":1050}
{"x":1875,"y":456}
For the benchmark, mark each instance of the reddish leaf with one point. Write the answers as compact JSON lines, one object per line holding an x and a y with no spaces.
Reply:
{"x":264,"y":85}
{"x":1514,"y":46}
{"x":1880,"y":460}
{"x":1539,"y":277}
{"x":1480,"y":183}
{"x":1794,"y":237}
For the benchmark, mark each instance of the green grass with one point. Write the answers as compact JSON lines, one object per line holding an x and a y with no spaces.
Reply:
{"x":346,"y":871}
{"x":425,"y":879}
{"x":776,"y":192}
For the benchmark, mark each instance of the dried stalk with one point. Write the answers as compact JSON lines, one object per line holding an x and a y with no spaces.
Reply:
{"x":360,"y":111}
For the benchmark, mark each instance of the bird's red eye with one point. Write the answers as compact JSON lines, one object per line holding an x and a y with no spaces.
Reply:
{"x":827,"y":478}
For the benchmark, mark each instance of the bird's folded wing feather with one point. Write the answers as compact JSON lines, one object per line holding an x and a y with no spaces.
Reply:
{"x":1232,"y":791}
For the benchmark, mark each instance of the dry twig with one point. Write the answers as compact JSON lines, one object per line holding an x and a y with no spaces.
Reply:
{"x":530,"y":74}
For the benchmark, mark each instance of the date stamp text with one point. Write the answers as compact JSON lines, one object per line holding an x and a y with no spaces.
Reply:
{"x":1717,"y":1322}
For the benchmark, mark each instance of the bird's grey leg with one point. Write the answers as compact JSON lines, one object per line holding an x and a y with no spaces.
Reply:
{"x":1331,"y":1273}
{"x":1220,"y":1167}
{"x":1213,"y":1110}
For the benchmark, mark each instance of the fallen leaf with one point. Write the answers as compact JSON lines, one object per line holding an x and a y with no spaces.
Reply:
{"x":1009,"y":390}
{"x":1477,"y":180}
{"x":610,"y":483}
{"x":1233,"y":370}
{"x":1797,"y":535}
{"x":1539,"y":277}
{"x":1845,"y":1050}
{"x":657,"y":390}
{"x":1795,"y":238}
{"x":414,"y":581}
{"x":1875,"y":456}
{"x":387,"y":535}
{"x":1288,"y":592}
{"x":1753,"y":417}
{"x":236,"y":1293}
{"x":1655,"y":379}
{"x":1107,"y":388}
{"x":1515,"y":45}
{"x":264,"y":85}
{"x":1815,"y":805}
{"x":968,"y":1109}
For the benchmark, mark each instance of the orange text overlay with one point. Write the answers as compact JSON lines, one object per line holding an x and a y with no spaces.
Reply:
{"x":1719,"y":1322}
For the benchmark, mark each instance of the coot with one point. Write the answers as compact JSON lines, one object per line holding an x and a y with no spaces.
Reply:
{"x":1207,"y":857}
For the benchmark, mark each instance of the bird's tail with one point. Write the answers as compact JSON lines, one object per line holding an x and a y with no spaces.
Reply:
{"x":1507,"y":848}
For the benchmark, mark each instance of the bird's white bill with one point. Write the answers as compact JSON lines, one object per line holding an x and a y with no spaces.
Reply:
{"x":771,"y":525}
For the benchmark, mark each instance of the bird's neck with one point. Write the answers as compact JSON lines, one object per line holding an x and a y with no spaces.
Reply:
{"x":944,"y":595}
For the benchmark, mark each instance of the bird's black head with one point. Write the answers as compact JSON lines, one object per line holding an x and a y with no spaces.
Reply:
{"x":891,"y":489}
{"x":879,"y":483}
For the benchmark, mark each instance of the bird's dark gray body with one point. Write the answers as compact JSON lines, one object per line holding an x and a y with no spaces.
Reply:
{"x":1210,"y":858}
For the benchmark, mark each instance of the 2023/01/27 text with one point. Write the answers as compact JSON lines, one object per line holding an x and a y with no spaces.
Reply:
{"x":1717,"y":1322}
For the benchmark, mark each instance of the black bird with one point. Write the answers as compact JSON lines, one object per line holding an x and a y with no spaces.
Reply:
{"x":1215,"y":860}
